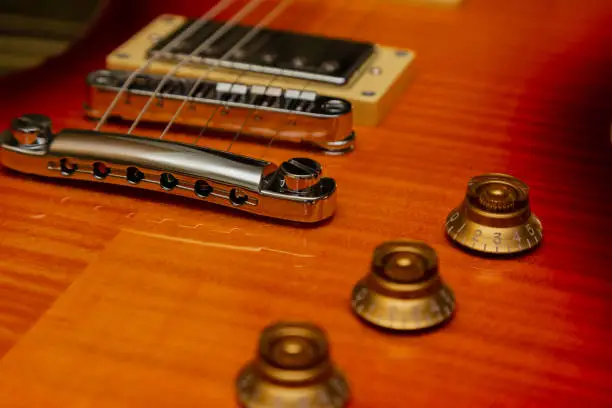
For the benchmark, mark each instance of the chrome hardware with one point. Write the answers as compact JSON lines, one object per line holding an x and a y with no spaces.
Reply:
{"x":255,"y":186}
{"x":31,"y":129}
{"x":300,"y":173}
{"x":257,"y":110}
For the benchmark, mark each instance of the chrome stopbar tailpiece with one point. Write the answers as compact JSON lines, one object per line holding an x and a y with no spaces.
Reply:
{"x":256,"y":110}
{"x":292,"y":191}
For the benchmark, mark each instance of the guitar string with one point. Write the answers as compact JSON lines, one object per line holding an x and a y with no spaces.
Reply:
{"x":281,"y":126}
{"x":213,"y":12}
{"x":209,"y":70}
{"x":251,"y":114}
{"x":206,"y":125}
{"x":231,"y":23}
{"x":255,"y":110}
{"x":247,"y":9}
{"x":278,"y":130}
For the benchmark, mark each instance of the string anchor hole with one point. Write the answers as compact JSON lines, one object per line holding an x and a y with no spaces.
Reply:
{"x":202,"y":189}
{"x":167,"y":181}
{"x":100,"y":170}
{"x":134,"y":175}
{"x":67,"y":168}
{"x":237,"y":197}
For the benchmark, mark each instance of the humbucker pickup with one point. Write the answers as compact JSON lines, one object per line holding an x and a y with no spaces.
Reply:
{"x":275,"y":52}
{"x":292,"y":191}
{"x":370,"y":76}
{"x":256,"y":110}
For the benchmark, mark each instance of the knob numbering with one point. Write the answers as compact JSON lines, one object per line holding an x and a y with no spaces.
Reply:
{"x":495,"y":217}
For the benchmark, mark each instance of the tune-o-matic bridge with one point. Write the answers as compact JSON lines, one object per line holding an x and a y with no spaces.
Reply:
{"x":257,"y":110}
{"x":292,"y":191}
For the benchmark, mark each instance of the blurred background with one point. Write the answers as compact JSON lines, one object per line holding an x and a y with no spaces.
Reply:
{"x":32,"y":30}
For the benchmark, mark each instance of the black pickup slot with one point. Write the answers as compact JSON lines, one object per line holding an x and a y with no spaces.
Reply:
{"x":142,"y":83}
{"x":256,"y":99}
{"x":204,"y":90}
{"x":177,"y":87}
{"x":274,"y":52}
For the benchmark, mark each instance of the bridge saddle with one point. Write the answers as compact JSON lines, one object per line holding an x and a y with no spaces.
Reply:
{"x":256,"y":110}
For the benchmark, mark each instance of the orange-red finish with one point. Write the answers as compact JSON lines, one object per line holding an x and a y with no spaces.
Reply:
{"x":117,"y":298}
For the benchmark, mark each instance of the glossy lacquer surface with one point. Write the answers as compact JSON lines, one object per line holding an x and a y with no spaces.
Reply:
{"x":114,"y":298}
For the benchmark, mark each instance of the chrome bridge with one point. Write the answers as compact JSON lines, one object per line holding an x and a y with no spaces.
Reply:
{"x":292,"y":191}
{"x":256,"y":110}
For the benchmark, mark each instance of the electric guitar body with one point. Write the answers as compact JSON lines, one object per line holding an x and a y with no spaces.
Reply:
{"x":114,"y":296}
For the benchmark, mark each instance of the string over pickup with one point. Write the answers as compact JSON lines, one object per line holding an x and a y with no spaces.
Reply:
{"x":283,"y":53}
{"x":292,"y":191}
{"x":255,"y":110}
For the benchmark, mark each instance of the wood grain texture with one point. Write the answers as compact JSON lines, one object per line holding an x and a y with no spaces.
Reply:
{"x":117,"y":298}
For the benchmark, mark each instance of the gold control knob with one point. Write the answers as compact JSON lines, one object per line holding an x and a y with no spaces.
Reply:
{"x":292,"y":369}
{"x":403,"y":290}
{"x":300,"y":173}
{"x":495,"y":217}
